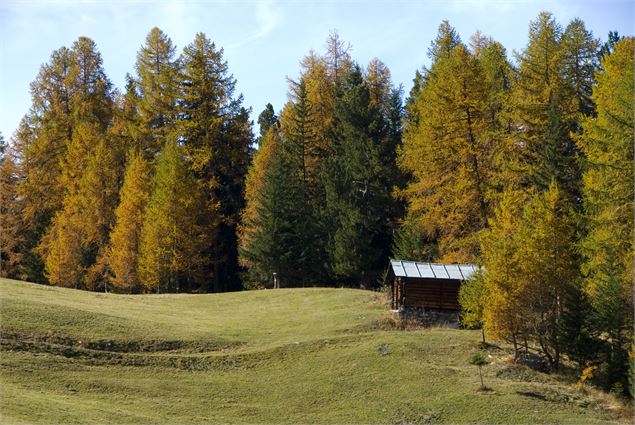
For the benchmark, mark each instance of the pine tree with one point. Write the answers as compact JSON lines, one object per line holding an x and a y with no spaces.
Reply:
{"x":607,"y":142}
{"x":125,"y":238}
{"x":171,"y":241}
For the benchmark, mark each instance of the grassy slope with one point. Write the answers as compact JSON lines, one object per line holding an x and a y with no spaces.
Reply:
{"x":301,"y":356}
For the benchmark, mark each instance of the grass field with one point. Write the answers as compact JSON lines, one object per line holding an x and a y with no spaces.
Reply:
{"x":283,"y":356}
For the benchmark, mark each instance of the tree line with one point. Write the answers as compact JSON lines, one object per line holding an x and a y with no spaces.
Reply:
{"x":523,"y":166}
{"x":136,"y":191}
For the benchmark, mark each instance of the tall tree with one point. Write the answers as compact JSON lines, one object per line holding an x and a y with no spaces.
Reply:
{"x":216,"y":133}
{"x":41,"y":142}
{"x":278,"y":239}
{"x":609,"y":45}
{"x":171,"y":241}
{"x":607,"y":142}
{"x":549,"y":267}
{"x":580,"y":64}
{"x":249,"y":219}
{"x":451,"y":157}
{"x":266,"y":120}
{"x":447,"y":39}
{"x":338,"y":59}
{"x":504,"y":314}
{"x":544,"y":111}
{"x":12,"y":228}
{"x":357,"y":190}
{"x":79,"y":230}
{"x":125,"y":239}
{"x":157,"y":90}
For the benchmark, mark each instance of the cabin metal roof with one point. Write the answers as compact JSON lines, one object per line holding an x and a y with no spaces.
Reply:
{"x":403,"y":268}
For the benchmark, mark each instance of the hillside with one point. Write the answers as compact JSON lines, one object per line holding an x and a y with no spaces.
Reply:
{"x":296,"y":355}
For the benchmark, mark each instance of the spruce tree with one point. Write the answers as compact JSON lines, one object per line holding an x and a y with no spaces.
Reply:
{"x":269,"y":147}
{"x":278,"y":239}
{"x":580,"y":64}
{"x":357,"y":190}
{"x":216,"y":133}
{"x":266,"y":120}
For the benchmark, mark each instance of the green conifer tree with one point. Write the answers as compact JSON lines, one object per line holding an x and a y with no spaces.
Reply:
{"x":357,"y":191}
{"x":278,"y":240}
{"x":269,"y":147}
{"x":580,"y":64}
{"x":216,"y":133}
{"x":266,"y":120}
{"x":170,"y":248}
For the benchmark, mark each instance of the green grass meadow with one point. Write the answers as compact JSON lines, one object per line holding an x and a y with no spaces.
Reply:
{"x":277,"y":356}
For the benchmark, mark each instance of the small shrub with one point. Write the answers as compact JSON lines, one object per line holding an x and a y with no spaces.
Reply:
{"x":587,"y":373}
{"x":479,"y":360}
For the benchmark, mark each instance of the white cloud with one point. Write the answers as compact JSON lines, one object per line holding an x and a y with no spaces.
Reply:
{"x":268,"y":18}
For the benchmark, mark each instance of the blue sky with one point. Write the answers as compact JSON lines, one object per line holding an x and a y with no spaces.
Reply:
{"x":265,"y":40}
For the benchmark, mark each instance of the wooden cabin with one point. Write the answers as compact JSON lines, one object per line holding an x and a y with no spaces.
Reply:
{"x":426,"y":285}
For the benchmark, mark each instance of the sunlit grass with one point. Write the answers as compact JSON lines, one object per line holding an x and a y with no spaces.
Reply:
{"x":282,"y":356}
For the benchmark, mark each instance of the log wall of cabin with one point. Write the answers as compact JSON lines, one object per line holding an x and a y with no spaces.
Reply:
{"x":442,"y":294}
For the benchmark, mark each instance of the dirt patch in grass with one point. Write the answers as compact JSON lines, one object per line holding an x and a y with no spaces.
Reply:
{"x":69,"y":347}
{"x":521,"y":373}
